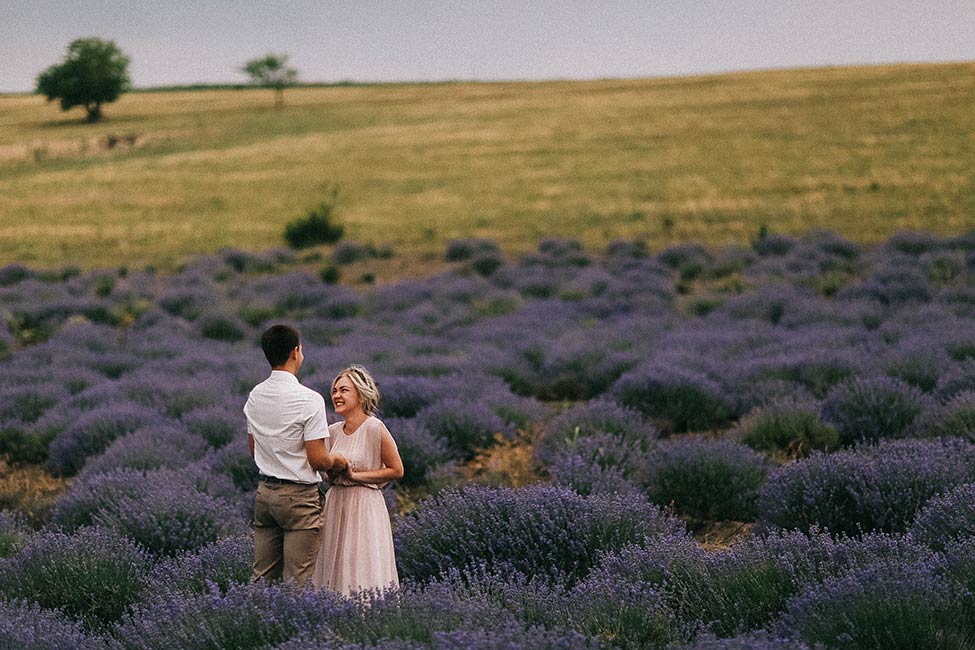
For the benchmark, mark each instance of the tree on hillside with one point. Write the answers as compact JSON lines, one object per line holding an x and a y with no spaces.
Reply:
{"x":272,"y":71}
{"x":93,"y":72}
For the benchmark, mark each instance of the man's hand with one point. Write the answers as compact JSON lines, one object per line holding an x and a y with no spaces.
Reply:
{"x":339,"y":463}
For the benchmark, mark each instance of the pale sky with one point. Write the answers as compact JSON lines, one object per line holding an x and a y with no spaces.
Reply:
{"x":207,"y":41}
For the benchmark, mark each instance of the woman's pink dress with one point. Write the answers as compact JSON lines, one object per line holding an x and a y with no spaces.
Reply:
{"x":357,"y":540}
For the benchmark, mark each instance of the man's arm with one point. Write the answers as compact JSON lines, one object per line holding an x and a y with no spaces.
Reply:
{"x":389,"y":454}
{"x":250,"y":443}
{"x":320,"y":459}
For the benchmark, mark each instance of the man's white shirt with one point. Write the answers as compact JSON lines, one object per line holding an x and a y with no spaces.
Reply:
{"x":281,"y":415}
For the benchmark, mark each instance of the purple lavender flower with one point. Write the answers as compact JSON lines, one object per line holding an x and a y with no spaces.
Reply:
{"x":909,"y":605}
{"x":420,"y":450}
{"x":170,"y":519}
{"x":219,"y":565}
{"x":31,"y":627}
{"x":166,"y":511}
{"x":867,"y":488}
{"x":872,"y":408}
{"x":188,"y":303}
{"x":147,"y":448}
{"x":255,"y":615}
{"x":219,"y":423}
{"x":404,"y":396}
{"x":512,"y":636}
{"x":93,"y":432}
{"x":93,"y":575}
{"x":589,"y":419}
{"x":587,"y":476}
{"x":466,"y":425}
{"x":957,"y":379}
{"x":534,"y":530}
{"x":947,"y":518}
{"x":956,"y":418}
{"x":233,"y":462}
{"x":706,"y":479}
{"x":14,"y":532}
{"x":685,"y":400}
{"x":760,"y":640}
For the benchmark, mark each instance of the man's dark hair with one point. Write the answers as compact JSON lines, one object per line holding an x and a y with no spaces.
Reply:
{"x":277,"y":342}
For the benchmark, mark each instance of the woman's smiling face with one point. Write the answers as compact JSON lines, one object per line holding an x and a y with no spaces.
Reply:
{"x":345,"y":397}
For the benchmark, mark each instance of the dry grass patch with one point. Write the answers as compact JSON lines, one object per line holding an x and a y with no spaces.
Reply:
{"x":29,"y":489}
{"x":864,"y":151}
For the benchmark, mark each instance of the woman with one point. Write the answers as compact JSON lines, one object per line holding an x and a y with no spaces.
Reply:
{"x":357,"y":541}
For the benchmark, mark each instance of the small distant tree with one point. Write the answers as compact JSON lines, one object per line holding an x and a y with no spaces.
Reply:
{"x":94,"y":72}
{"x":272,"y":71}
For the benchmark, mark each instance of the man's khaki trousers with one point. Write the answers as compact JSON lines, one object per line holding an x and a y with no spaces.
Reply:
{"x":287,"y":523}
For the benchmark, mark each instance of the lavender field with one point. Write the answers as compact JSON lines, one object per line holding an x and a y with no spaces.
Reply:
{"x":818,"y":392}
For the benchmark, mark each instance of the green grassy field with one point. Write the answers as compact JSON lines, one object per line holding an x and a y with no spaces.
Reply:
{"x":862,"y":151}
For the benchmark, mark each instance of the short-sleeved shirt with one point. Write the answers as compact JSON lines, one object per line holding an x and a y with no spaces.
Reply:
{"x":281,"y":415}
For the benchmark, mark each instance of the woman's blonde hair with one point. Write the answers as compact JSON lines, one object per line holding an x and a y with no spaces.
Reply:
{"x":364,"y":384}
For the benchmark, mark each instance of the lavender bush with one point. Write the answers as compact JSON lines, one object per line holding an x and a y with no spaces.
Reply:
{"x":872,"y":408}
{"x":218,"y":423}
{"x":420,"y":450}
{"x":587,"y":476}
{"x":404,"y":396}
{"x":31,"y":627}
{"x":755,"y":641}
{"x":14,"y":532}
{"x":947,"y":518}
{"x":867,"y":488}
{"x":217,"y":566}
{"x":955,"y":418}
{"x":567,"y":369}
{"x":789,"y":426}
{"x":464,"y":249}
{"x":93,"y":432}
{"x":86,"y":497}
{"x":817,"y":370}
{"x":920,"y":363}
{"x":589,"y":419}
{"x":164,"y":510}
{"x":234,"y":463}
{"x":169,"y":519}
{"x":149,"y":448}
{"x":957,"y":379}
{"x":706,"y":479}
{"x":93,"y":575}
{"x":465,"y":425}
{"x":685,"y":400}
{"x":896,"y":606}
{"x":534,"y":530}
{"x":256,"y":615}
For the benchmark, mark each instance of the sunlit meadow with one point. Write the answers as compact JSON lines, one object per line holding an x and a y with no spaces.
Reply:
{"x":864,"y":151}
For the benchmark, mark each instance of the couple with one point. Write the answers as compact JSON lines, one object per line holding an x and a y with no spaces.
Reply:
{"x":344,"y":544}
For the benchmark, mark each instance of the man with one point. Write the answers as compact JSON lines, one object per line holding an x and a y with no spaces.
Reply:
{"x":286,"y":431}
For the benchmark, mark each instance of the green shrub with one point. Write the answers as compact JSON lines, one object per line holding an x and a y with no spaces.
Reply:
{"x":315,"y":228}
{"x":221,"y":328}
{"x":788,"y":425}
{"x":330,"y":274}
